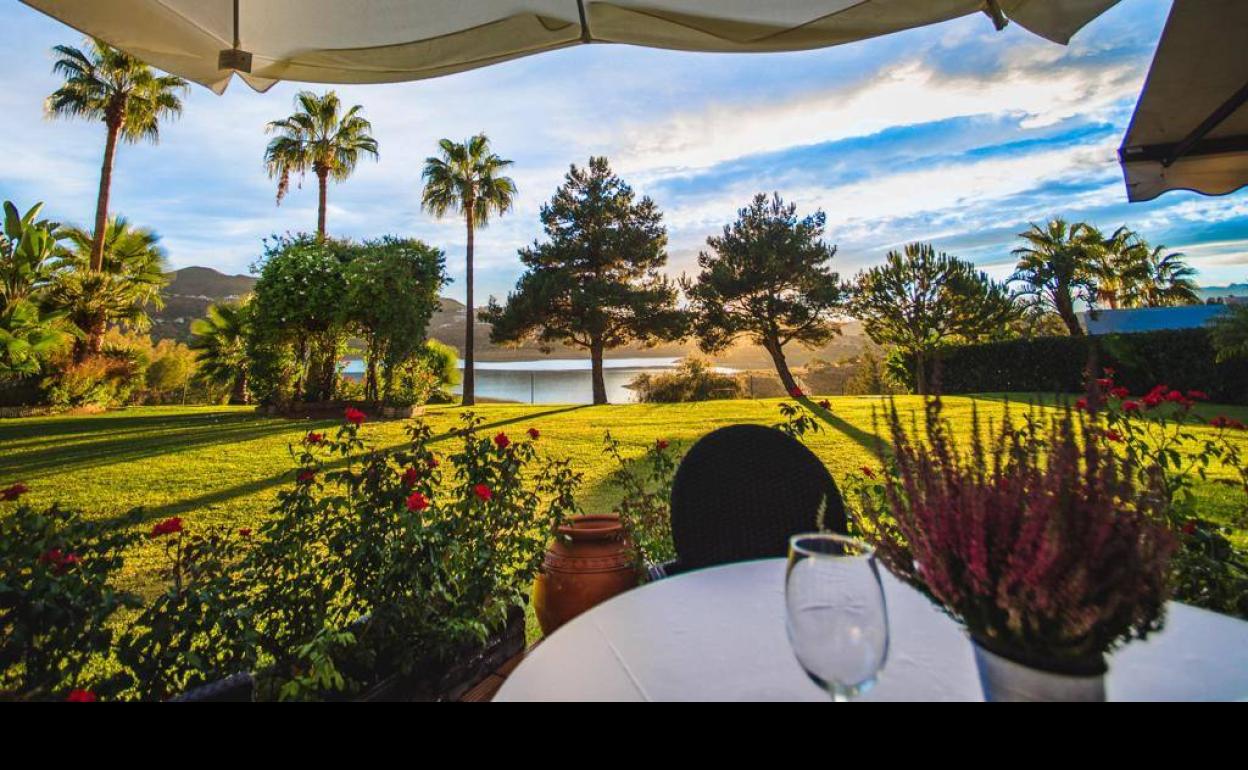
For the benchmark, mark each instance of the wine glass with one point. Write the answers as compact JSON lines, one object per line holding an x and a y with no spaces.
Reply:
{"x":835,"y":612}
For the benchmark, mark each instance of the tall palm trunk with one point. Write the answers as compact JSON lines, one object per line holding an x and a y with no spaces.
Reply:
{"x":470,"y":380}
{"x":101,"y":202}
{"x":600,"y":384}
{"x":322,"y":180}
{"x":239,"y":394}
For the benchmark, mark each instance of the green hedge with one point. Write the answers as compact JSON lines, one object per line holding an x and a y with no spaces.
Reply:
{"x":1180,"y":358}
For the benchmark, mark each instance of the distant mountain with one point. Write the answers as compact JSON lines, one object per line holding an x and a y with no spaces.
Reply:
{"x":189,"y":293}
{"x":192,"y":289}
{"x":1214,"y":292}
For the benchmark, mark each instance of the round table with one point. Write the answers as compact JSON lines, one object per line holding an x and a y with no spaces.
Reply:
{"x":718,"y":635}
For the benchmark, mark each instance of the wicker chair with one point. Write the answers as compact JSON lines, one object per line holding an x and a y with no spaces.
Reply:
{"x":741,"y":492}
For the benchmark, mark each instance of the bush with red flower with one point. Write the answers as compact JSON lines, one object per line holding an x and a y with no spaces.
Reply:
{"x":396,"y":556}
{"x":1156,"y":433}
{"x":58,"y":603}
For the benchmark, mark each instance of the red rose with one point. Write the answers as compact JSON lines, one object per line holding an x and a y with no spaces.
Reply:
{"x":1220,"y":422}
{"x":170,"y":526}
{"x":418,"y":502}
{"x":1198,"y":395}
{"x":306,"y":476}
{"x":1130,"y":406}
{"x":1237,"y":425}
{"x":314,"y":438}
{"x":826,"y":404}
{"x":1113,"y":435}
{"x":1119,"y":393}
{"x":660,"y":445}
{"x":483,"y":492}
{"x":70,"y":559}
{"x":354,"y":416}
{"x":795,"y":392}
{"x":410,"y":476}
{"x":501,"y":441}
{"x":1175,"y":397}
{"x":13,"y":492}
{"x":1105,"y":382}
{"x":866,"y":471}
{"x":80,"y":696}
{"x":534,"y":433}
{"x":1152,"y":400}
{"x":53,"y":557}
{"x":1082,"y":404}
{"x":245,"y":532}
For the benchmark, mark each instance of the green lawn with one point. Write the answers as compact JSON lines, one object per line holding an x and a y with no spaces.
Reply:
{"x":223,"y":466}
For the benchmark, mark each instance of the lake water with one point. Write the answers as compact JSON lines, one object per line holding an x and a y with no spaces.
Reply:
{"x":553,"y":380}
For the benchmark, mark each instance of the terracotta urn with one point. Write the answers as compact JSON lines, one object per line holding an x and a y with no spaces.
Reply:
{"x":588,"y":562}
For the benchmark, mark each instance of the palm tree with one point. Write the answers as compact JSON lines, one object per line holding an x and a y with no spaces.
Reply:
{"x":321,"y":138}
{"x":1054,"y":269}
{"x":466,"y":179}
{"x":1166,"y":279}
{"x":1114,"y":264}
{"x":220,"y":343}
{"x":129,"y":281}
{"x":102,"y":83}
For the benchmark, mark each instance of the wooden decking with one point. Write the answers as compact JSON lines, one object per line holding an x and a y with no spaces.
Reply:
{"x":485,"y":690}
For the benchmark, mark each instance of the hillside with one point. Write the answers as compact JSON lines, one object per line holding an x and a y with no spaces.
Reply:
{"x":189,"y":293}
{"x":192,"y":289}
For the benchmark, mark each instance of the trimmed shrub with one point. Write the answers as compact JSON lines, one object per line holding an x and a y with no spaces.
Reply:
{"x":1181,"y":358}
{"x":694,"y":380}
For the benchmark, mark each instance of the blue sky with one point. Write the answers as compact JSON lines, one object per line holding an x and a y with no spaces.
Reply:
{"x":955,"y":134}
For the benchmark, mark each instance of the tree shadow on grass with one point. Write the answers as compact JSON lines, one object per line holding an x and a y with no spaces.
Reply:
{"x":869,"y":441}
{"x":139,"y":446}
{"x":257,"y":486}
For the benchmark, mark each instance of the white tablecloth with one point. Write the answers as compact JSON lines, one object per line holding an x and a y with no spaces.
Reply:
{"x":718,"y":634}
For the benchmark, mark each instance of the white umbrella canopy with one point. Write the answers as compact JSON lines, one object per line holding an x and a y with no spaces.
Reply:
{"x":1190,"y":128}
{"x":379,"y":41}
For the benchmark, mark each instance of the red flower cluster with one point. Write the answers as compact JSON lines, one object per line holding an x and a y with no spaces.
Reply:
{"x":417,"y":502}
{"x":60,"y":561}
{"x":501,"y":441}
{"x":1130,"y":406}
{"x":534,"y":434}
{"x":1114,"y":436}
{"x":170,"y":526}
{"x":1163,"y":394}
{"x":660,"y":445}
{"x":354,"y":416}
{"x":483,"y":493}
{"x":410,"y":476}
{"x":314,"y":438}
{"x":306,"y":476}
{"x":1082,"y":405}
{"x":80,"y":696}
{"x":13,"y":492}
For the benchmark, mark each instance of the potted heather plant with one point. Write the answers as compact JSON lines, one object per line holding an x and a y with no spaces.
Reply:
{"x":1043,"y":542}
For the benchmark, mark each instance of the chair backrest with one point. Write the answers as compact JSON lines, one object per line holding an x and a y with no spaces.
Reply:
{"x":742,"y":491}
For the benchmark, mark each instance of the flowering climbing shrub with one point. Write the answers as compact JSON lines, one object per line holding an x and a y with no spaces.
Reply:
{"x":1041,"y":539}
{"x":56,"y":601}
